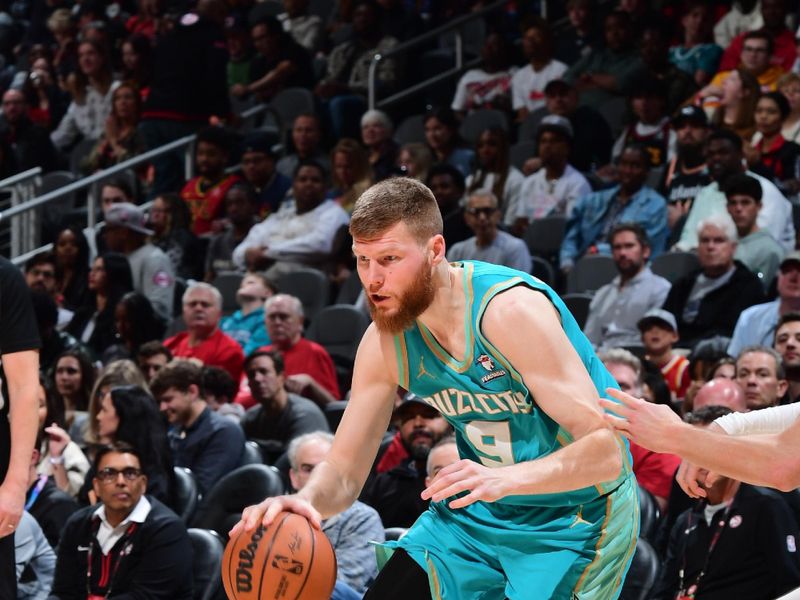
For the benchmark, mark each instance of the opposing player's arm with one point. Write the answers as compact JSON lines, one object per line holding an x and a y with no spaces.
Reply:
{"x":337,"y":481}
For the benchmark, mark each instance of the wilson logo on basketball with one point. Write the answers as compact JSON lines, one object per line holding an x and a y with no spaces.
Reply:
{"x":244,"y":575}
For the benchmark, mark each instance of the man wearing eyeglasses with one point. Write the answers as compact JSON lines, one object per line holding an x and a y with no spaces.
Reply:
{"x":130,"y":545}
{"x":489,"y":244}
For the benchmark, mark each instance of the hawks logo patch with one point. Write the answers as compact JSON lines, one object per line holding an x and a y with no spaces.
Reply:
{"x":487,"y":363}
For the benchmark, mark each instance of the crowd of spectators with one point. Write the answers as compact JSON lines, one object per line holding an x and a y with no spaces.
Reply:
{"x":648,"y":129}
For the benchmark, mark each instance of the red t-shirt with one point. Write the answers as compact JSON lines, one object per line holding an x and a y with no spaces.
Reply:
{"x":784,"y":52}
{"x":310,"y":358}
{"x":654,"y":471}
{"x":219,"y":350}
{"x":206,"y":206}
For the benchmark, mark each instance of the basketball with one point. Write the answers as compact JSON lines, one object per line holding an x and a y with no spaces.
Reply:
{"x":289,"y":560}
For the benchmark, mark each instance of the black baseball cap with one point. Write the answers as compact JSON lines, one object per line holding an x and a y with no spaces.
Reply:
{"x":410,"y":402}
{"x":690,"y":114}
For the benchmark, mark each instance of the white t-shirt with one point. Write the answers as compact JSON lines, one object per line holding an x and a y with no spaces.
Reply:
{"x":527,"y":85}
{"x":542,"y":197}
{"x":476,"y":88}
{"x":758,"y":422}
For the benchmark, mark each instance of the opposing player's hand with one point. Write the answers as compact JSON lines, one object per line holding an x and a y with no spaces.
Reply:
{"x":265,"y":512}
{"x":481,"y":482}
{"x":694,"y":480}
{"x":649,"y":425}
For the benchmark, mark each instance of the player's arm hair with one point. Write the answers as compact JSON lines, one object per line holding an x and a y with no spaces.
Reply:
{"x":337,"y":481}
{"x":561,"y":387}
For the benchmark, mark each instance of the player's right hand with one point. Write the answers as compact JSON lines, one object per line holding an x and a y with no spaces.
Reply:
{"x":265,"y":512}
{"x":693,"y":480}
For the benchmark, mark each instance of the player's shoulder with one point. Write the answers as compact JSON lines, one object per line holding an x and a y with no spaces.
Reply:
{"x":519,"y":307}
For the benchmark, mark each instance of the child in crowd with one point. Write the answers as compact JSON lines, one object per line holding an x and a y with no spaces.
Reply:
{"x":659,"y":335}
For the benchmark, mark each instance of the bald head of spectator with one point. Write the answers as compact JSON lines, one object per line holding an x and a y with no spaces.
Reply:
{"x":760,"y":373}
{"x":721,"y":392}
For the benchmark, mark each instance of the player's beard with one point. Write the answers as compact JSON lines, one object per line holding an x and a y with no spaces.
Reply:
{"x":414,"y":301}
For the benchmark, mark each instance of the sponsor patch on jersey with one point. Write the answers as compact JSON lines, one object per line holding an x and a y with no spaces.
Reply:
{"x":487,"y":363}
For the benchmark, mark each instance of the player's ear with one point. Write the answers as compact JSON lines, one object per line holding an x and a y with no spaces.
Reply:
{"x":436,"y":246}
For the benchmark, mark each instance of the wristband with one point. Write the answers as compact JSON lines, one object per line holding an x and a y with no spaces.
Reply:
{"x":56,"y":460}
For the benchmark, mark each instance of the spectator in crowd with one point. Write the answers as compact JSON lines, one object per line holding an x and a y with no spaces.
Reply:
{"x":756,"y":248}
{"x":441,"y":133}
{"x":40,"y":275}
{"x":54,"y":342}
{"x":65,"y":34}
{"x":188,"y":87}
{"x":246,"y":325}
{"x":789,"y":86}
{"x":119,"y":373}
{"x":219,"y":391}
{"x":743,"y":16}
{"x":724,"y":368}
{"x":756,"y":54}
{"x":35,"y":559}
{"x":770,"y":154}
{"x":352,"y":533}
{"x":581,"y":34}
{"x":305,"y":28}
{"x":760,"y":373}
{"x":447,"y":184}
{"x":739,"y":542}
{"x":279,"y":416}
{"x":607,"y":71}
{"x":151,"y":269}
{"x":47,"y":100}
{"x":258,"y":170}
{"x":489,"y":244}
{"x":71,"y":252}
{"x":301,"y":232}
{"x":676,"y":85}
{"x":309,"y":368}
{"x":205,"y":193}
{"x":137,"y":62}
{"x":91,"y":87}
{"x":200,"y":439}
{"x":617,"y":307}
{"x":653,"y":470}
{"x":306,"y":141}
{"x":595,"y":214}
{"x":659,"y":334}
{"x":651,"y":125}
{"x":773,"y":17}
{"x":60,"y":458}
{"x":343,"y":88}
{"x":152,"y":357}
{"x":787,"y":344}
{"x":395,"y":491}
{"x":720,"y":392}
{"x":756,"y":325}
{"x":352,"y":173}
{"x":116,"y":191}
{"x":736,"y":108}
{"x":30,"y":142}
{"x":109,"y":280}
{"x":528,"y":83}
{"x":488,"y":86}
{"x":592,"y":141}
{"x":494,"y":173}
{"x":724,"y":157}
{"x":556,"y":186}
{"x":241,"y":210}
{"x":120,"y":139}
{"x":136,"y":323}
{"x":280,"y":62}
{"x":146,"y":541}
{"x":240,"y":51}
{"x":129,"y":414}
{"x":50,"y":506}
{"x":414,"y":160}
{"x":376,"y":134}
{"x":708,"y":301}
{"x":697,"y":54}
{"x":685,"y":173}
{"x":171,"y":223}
{"x":444,"y":453}
{"x":204,"y":340}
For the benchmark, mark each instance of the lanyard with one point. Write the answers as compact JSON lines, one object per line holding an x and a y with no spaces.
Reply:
{"x":689,"y":593}
{"x":125,"y":549}
{"x":36,"y":491}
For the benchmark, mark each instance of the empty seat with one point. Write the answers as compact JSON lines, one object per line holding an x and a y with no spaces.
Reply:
{"x":475,"y":123}
{"x":334,"y":412}
{"x":252,"y":454}
{"x":338,"y":329}
{"x":591,"y":273}
{"x":412,"y":129}
{"x":643,"y":574}
{"x":228,"y":285}
{"x":520,"y":152}
{"x":650,"y":515}
{"x":290,"y":103}
{"x":578,"y":305}
{"x":674,"y":265}
{"x":544,"y":237}
{"x":310,"y":286}
{"x":543,"y":270}
{"x":186,"y":494}
{"x":207,"y":551}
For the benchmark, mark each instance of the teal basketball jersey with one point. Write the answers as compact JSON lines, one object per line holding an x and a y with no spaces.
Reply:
{"x":496,"y":419}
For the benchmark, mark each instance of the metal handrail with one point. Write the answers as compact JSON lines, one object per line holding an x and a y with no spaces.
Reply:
{"x":20,"y":177}
{"x":455,"y":24}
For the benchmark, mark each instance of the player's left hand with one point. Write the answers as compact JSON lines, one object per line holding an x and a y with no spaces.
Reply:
{"x":650,"y":425}
{"x":481,"y":482}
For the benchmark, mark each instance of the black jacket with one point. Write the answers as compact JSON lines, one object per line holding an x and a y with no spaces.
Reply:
{"x":719,"y":309}
{"x":51,"y":509}
{"x":31,"y":144}
{"x":395,"y":494}
{"x":159,"y":564}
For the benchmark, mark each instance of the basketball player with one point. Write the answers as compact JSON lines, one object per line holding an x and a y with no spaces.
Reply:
{"x":543,"y":503}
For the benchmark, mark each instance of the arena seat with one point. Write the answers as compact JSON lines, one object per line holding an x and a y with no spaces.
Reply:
{"x":674,"y":265}
{"x":222,"y":506}
{"x":228,"y":285}
{"x":333,"y":412}
{"x":520,"y":152}
{"x":476,"y":122}
{"x":411,"y":130}
{"x":643,"y":574}
{"x":650,"y":515}
{"x":578,"y":305}
{"x":544,"y":237}
{"x":252,"y":454}
{"x":590,"y":273}
{"x":541,"y":269}
{"x":207,"y":550}
{"x":311,"y":286}
{"x":186,"y":494}
{"x":338,"y":328}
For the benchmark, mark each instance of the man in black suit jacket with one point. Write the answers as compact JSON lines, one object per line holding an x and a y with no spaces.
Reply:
{"x":130,"y":545}
{"x":46,"y":503}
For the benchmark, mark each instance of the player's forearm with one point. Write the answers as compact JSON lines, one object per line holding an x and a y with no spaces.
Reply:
{"x":24,"y":422}
{"x":329,"y":490}
{"x":595,"y":458}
